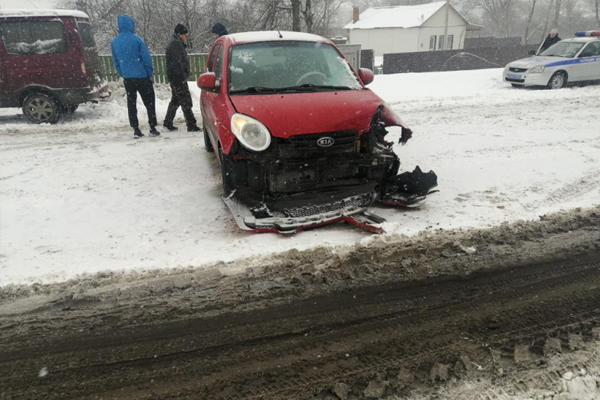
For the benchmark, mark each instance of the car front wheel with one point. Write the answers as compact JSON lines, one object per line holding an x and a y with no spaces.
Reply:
{"x":207,"y":143}
{"x":227,"y":173}
{"x":41,"y":108}
{"x":558,"y":81}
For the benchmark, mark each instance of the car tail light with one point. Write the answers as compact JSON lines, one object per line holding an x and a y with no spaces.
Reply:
{"x":83,"y":71}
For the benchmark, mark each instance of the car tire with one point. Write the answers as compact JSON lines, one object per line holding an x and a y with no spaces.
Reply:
{"x":558,"y":80}
{"x":70,"y":109}
{"x":207,"y":143}
{"x":227,"y":174}
{"x":41,"y":108}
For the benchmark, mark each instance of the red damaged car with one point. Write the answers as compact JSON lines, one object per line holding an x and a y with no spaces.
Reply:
{"x":300,"y":139}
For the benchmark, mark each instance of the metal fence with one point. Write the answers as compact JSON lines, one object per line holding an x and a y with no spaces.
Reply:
{"x":197,"y":67}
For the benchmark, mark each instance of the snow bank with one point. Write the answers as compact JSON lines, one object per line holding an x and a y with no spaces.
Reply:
{"x":82,"y":196}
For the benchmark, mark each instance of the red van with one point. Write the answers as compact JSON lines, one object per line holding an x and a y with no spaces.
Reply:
{"x":48,"y":62}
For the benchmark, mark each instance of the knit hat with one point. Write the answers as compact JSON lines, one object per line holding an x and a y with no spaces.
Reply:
{"x":219,"y":29}
{"x":180,"y":29}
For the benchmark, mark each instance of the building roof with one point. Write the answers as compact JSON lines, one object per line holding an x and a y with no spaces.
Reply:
{"x":274,"y":36}
{"x":9,"y":12}
{"x":397,"y":16}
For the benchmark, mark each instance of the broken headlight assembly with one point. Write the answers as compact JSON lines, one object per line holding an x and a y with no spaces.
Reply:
{"x":251,"y":133}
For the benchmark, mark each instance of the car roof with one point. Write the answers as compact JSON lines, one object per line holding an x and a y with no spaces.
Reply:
{"x":581,"y":39}
{"x":8,"y":13}
{"x":274,"y":36}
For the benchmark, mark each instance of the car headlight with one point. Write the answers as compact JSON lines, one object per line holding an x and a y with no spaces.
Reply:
{"x":252,"y":134}
{"x":537,"y":70}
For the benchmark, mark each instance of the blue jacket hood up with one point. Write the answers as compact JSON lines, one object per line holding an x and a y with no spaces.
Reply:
{"x":126,"y":24}
{"x":130,"y":54}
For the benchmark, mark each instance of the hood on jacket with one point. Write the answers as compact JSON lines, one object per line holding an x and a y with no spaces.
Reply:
{"x":126,"y":24}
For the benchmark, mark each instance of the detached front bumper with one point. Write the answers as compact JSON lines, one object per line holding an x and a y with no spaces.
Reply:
{"x":527,"y":79}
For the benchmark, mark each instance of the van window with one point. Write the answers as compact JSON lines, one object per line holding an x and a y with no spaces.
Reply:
{"x":87,"y":35}
{"x":36,"y":37}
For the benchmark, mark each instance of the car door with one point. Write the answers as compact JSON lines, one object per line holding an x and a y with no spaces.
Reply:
{"x":209,"y":99}
{"x":590,"y":61}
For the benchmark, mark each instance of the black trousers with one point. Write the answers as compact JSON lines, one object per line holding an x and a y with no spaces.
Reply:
{"x":180,"y":96}
{"x":145,"y":87}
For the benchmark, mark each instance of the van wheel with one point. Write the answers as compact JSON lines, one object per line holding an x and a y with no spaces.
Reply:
{"x":41,"y":108}
{"x":226,"y":174}
{"x":69,"y":109}
{"x":207,"y":143}
{"x":558,"y":80}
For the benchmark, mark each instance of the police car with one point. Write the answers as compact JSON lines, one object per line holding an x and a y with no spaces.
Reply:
{"x":570,"y":60}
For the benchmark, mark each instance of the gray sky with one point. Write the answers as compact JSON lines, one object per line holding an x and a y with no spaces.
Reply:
{"x":43,"y":4}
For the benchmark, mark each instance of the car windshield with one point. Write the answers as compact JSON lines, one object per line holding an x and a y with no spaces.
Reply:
{"x":563,"y":49}
{"x":280,"y":66}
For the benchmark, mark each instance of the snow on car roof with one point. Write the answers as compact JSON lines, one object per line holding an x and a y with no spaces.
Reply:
{"x":270,"y":36}
{"x":8,"y":12}
{"x":581,"y":39}
{"x":395,"y":16}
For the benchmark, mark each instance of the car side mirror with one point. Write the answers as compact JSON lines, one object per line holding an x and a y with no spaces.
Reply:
{"x":366,"y":75}
{"x":531,"y":52}
{"x":207,"y":81}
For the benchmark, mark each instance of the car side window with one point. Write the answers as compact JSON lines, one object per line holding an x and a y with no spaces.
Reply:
{"x":593,"y":49}
{"x":211,"y":59}
{"x":218,"y":67}
{"x":35,"y":37}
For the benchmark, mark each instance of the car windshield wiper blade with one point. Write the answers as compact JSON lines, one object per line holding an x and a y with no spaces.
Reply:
{"x":310,"y":86}
{"x":255,"y":89}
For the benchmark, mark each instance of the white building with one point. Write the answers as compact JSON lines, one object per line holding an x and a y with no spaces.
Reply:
{"x":407,"y":29}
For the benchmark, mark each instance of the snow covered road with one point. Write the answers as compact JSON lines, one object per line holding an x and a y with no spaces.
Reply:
{"x":83,"y":196}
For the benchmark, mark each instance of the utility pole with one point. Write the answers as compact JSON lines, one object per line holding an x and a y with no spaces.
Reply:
{"x":446,"y":27}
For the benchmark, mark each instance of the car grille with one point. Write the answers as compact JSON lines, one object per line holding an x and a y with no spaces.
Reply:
{"x":515,"y":80}
{"x":360,"y":201}
{"x":517,"y":69}
{"x":301,"y":146}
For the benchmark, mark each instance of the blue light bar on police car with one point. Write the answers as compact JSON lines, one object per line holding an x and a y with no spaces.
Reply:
{"x":587,"y":33}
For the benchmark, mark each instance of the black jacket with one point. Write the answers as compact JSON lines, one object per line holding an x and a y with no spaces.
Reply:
{"x":549,"y":42}
{"x":178,"y":61}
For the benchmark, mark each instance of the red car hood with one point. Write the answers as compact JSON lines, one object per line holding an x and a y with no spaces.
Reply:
{"x":304,"y":113}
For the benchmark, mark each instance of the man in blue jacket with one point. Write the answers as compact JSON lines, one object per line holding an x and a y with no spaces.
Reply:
{"x":133,"y":63}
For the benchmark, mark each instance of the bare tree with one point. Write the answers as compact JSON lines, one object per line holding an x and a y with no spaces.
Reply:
{"x":529,"y":19}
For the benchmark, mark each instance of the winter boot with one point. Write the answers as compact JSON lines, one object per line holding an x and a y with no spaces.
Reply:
{"x":137,"y":133}
{"x":194,"y":128}
{"x":154,"y":132}
{"x":171,"y":127}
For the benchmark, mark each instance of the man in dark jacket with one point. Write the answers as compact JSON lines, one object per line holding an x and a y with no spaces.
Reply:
{"x":133,"y":63}
{"x":552,"y":39}
{"x":219,"y":30}
{"x":178,"y":71}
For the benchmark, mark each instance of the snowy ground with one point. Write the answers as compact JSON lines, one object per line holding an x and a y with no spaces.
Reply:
{"x":83,"y":196}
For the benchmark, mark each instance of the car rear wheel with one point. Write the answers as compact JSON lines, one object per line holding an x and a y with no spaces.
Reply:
{"x":41,"y":108}
{"x":558,"y":81}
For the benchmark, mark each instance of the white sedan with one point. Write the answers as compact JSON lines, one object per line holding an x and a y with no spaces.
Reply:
{"x":570,"y":60}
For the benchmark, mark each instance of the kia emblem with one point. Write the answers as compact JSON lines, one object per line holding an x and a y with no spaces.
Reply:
{"x":325,"y":142}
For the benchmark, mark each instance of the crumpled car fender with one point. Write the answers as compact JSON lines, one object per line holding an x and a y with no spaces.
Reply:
{"x":389,"y":118}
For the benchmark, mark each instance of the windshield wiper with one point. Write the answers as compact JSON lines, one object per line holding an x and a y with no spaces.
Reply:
{"x":310,"y":86}
{"x":299,"y":88}
{"x":255,"y":89}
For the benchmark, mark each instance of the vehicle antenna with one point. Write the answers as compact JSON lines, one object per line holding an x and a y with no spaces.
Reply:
{"x":280,"y":35}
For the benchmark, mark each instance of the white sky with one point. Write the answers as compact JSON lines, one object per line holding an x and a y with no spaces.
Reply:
{"x":27,"y":4}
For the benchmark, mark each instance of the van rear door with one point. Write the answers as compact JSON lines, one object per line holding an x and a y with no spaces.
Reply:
{"x":90,"y":51}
